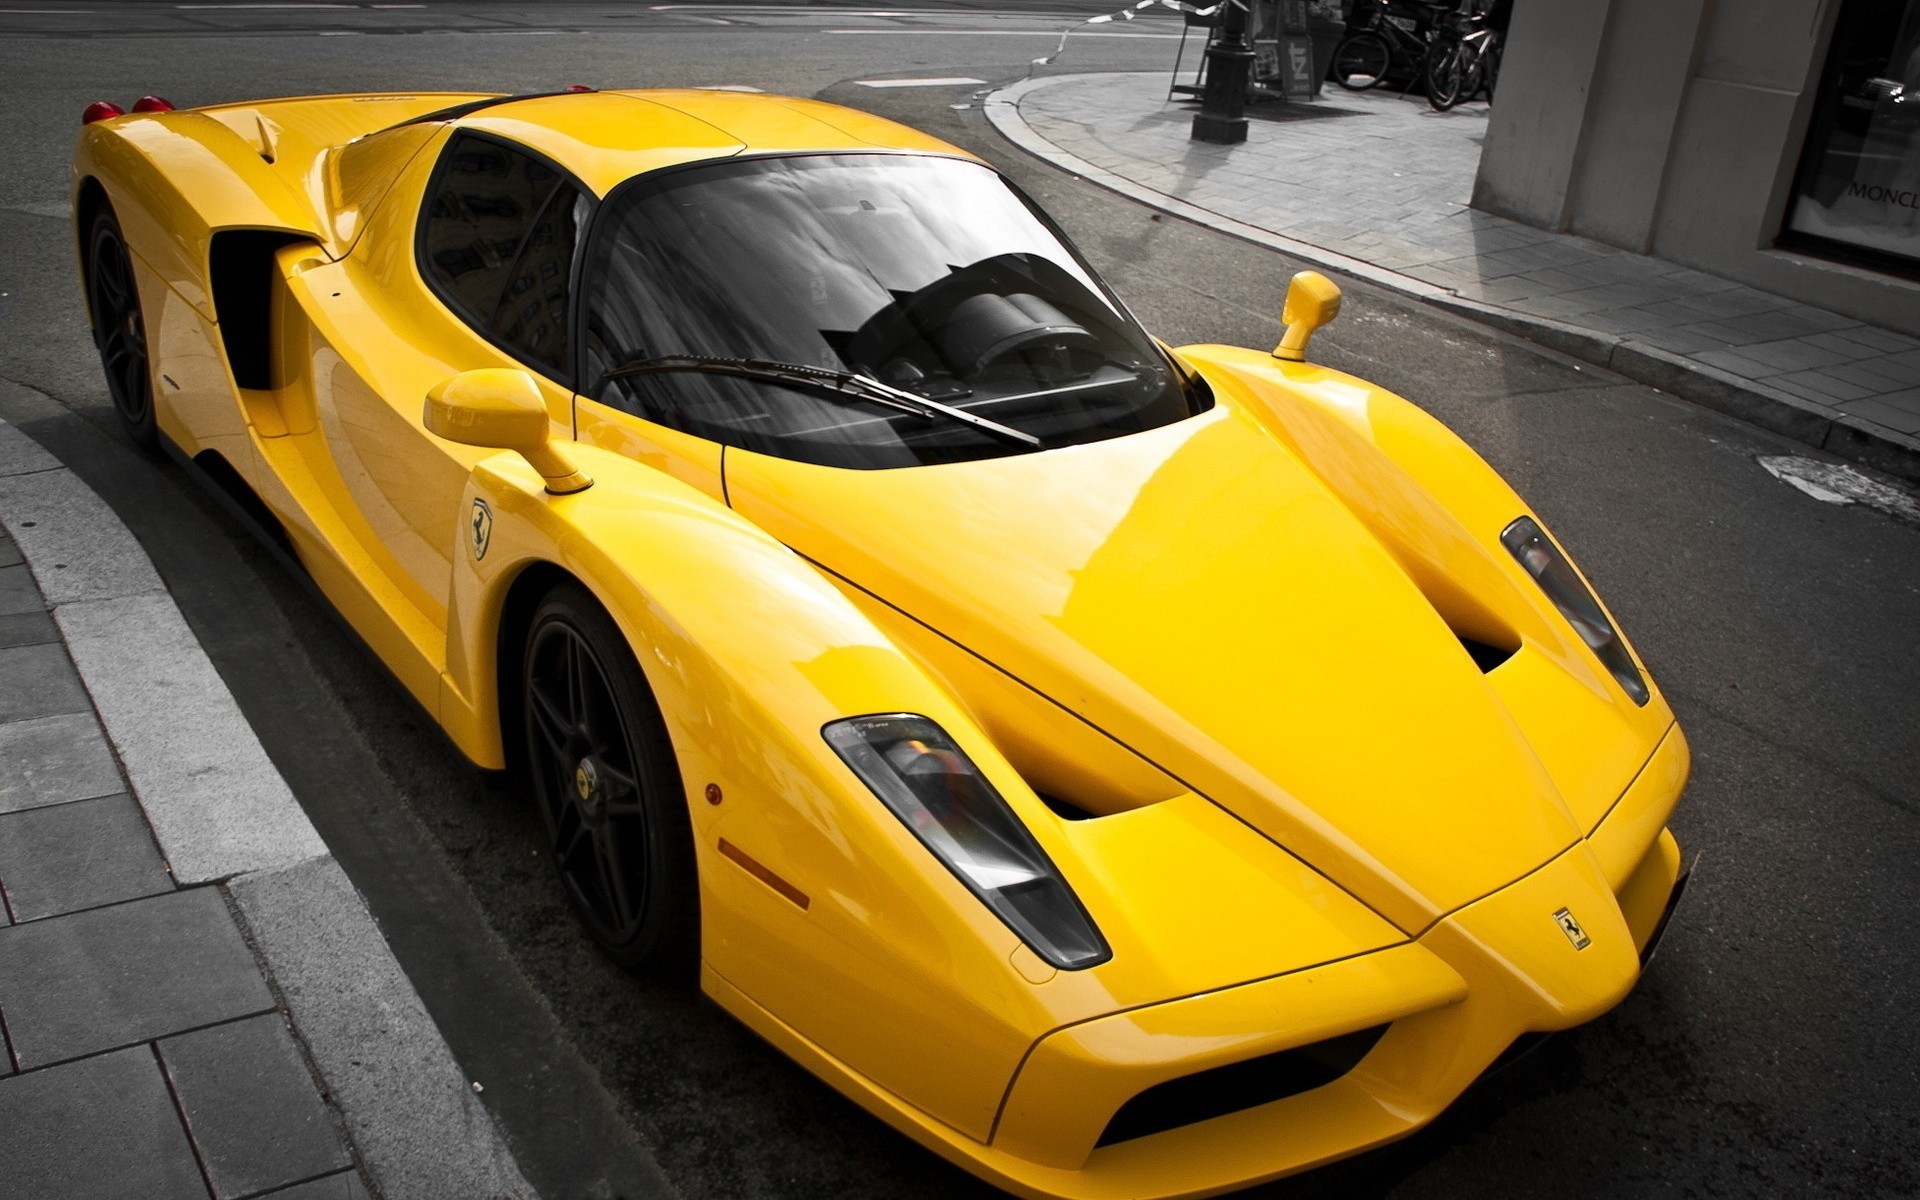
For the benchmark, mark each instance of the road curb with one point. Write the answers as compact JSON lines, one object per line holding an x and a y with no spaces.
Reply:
{"x":1790,"y":416}
{"x":223,"y":815}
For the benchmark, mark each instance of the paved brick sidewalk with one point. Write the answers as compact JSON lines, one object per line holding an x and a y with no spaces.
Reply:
{"x":146,"y":1055}
{"x":195,"y":1003}
{"x":1378,"y":184}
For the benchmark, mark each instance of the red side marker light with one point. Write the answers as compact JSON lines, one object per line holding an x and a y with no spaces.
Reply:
{"x":100,"y":110}
{"x":152,"y":104}
{"x":577,"y":87}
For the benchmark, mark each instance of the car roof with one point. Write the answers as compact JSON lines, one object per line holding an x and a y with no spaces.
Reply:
{"x":605,"y":138}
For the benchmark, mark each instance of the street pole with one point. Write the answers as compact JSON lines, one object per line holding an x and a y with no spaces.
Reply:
{"x":1223,"y":105}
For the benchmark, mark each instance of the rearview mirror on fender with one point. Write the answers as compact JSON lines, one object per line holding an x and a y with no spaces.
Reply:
{"x":500,"y":407}
{"x":1313,"y":300}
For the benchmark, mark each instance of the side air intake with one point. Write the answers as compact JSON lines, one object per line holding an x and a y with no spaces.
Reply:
{"x":240,"y":270}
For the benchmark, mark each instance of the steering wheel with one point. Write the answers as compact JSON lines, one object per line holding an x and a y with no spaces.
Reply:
{"x":990,"y":328}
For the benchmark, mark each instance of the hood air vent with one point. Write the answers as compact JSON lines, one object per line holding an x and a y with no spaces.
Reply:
{"x":1484,"y":656}
{"x":1066,"y":810}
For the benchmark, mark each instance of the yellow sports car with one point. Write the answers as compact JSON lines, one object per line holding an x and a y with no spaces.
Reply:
{"x":1128,"y":771}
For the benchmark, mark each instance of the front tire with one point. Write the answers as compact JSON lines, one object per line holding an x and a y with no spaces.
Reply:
{"x":119,"y":329}
{"x":1361,"y":61}
{"x":609,"y":790}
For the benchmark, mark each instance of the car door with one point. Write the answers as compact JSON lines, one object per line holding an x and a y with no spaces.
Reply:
{"x":468,"y":264}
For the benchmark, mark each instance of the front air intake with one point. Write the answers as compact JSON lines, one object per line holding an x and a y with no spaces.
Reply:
{"x":1238,"y":1086}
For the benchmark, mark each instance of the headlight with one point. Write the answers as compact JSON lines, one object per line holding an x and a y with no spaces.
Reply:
{"x":918,"y":772}
{"x":1556,"y":577}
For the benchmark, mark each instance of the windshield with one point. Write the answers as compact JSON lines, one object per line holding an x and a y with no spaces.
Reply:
{"x":930,"y":275}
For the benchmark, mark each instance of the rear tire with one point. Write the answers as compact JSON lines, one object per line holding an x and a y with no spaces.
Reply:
{"x":119,"y":328}
{"x":1362,"y":61}
{"x":609,"y":789}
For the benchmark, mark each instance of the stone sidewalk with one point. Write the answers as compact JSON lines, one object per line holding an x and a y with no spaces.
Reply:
{"x":127,"y":1002}
{"x":1376,"y":185}
{"x":194,"y":1002}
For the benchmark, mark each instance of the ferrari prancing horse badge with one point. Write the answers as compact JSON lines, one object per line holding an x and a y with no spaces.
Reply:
{"x":1571,"y":927}
{"x":482,"y":528}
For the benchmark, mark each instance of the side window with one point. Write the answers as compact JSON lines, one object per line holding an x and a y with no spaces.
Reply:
{"x":497,"y":243}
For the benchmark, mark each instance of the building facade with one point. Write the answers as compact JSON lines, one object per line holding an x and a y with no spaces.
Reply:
{"x":1772,"y":142}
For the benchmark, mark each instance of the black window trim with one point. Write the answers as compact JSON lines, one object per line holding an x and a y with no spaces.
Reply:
{"x":469,"y":107}
{"x":566,"y":377}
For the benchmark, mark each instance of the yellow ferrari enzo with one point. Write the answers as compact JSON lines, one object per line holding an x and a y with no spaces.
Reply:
{"x":1128,"y":771}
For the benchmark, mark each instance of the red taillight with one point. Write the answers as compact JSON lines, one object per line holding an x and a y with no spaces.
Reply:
{"x":151,"y":104}
{"x":100,"y":110}
{"x":577,"y":87}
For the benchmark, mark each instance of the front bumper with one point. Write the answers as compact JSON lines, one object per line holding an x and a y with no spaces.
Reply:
{"x":1452,"y":1001}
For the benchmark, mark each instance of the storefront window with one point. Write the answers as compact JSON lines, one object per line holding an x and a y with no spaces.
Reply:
{"x":1858,"y":194}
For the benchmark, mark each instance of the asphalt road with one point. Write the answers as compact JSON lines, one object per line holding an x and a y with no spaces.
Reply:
{"x":1767,"y":1053}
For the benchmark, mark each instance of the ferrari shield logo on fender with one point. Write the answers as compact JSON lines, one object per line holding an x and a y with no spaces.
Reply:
{"x":1570,"y":927}
{"x":481,"y":526}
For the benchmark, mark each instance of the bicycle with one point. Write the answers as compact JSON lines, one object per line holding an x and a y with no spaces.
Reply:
{"x":1383,"y":40}
{"x":1462,"y":60}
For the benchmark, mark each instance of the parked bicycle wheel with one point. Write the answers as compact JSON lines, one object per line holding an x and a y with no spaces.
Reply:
{"x":1361,"y":61}
{"x":1446,"y":76}
{"x":1472,"y":69}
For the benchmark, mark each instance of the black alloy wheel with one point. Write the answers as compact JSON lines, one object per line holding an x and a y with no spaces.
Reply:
{"x":609,"y":790}
{"x":119,"y":330}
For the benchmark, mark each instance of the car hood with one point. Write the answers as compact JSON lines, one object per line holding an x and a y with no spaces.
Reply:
{"x":1202,"y":596}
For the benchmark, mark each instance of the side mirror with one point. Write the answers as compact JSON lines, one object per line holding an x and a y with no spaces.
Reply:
{"x":1313,"y":300}
{"x":501,"y":408}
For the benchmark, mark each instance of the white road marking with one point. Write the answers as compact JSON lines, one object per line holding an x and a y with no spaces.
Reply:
{"x":1832,"y":483}
{"x":856,"y":12}
{"x":59,"y":210}
{"x":1045,"y":33}
{"x":954,"y":81}
{"x":198,"y":6}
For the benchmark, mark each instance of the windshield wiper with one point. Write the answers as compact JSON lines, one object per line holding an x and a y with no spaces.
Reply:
{"x":823,"y":380}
